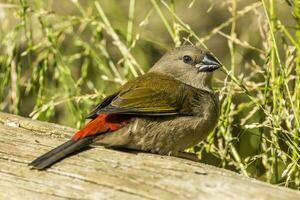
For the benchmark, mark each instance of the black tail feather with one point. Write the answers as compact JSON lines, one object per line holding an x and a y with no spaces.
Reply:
{"x":52,"y":152}
{"x":60,"y":152}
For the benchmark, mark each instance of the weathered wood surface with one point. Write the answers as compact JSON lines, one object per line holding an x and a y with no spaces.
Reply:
{"x":100,"y":173}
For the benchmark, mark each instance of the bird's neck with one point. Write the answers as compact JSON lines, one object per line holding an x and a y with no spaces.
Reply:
{"x":196,"y":80}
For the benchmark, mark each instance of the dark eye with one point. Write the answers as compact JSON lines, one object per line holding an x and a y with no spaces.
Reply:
{"x":187,"y":59}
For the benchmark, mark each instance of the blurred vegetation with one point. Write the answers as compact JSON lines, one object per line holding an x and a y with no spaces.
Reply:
{"x":58,"y":59}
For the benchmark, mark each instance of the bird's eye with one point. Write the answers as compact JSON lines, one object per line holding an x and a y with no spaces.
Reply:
{"x":187,"y":59}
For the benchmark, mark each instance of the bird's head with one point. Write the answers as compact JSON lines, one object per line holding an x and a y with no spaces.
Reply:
{"x":188,"y":64}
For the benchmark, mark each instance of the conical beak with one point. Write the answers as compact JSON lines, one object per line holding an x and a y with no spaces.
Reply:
{"x":208,"y":64}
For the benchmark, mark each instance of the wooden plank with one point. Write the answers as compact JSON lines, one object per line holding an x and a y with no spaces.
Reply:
{"x":100,"y":173}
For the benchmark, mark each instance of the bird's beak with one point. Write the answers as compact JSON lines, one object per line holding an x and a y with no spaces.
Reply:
{"x":208,"y":64}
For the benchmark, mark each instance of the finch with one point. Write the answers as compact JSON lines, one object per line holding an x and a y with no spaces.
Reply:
{"x":165,"y":111}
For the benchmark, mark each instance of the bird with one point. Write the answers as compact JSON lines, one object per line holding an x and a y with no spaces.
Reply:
{"x":168,"y":109}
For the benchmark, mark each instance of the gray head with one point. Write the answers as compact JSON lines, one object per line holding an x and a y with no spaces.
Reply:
{"x":188,"y":64}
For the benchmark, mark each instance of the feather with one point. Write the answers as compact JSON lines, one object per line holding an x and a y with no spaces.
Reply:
{"x":60,"y":152}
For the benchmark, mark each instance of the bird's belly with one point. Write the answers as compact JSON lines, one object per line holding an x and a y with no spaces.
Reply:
{"x":169,"y":134}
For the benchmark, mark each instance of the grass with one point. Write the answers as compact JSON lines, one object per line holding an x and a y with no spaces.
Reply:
{"x":58,"y":61}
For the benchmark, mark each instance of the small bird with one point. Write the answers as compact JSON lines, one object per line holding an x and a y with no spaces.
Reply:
{"x":165,"y":111}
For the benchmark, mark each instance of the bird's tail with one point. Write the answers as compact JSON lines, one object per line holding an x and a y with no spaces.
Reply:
{"x":61,"y":152}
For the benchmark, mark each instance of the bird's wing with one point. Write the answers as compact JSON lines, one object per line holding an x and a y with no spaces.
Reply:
{"x":151,"y":94}
{"x":142,"y":100}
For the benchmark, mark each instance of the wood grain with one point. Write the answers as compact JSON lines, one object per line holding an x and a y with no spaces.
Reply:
{"x":100,"y":173}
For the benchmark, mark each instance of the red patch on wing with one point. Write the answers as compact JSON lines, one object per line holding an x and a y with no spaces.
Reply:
{"x":101,"y":124}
